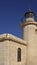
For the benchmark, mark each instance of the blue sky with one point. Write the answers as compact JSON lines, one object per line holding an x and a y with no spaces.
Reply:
{"x":11,"y":13}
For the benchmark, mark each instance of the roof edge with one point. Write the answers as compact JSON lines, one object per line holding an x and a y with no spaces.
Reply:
{"x":12,"y":38}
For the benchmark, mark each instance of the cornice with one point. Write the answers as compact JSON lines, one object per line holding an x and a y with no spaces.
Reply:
{"x":10,"y":37}
{"x":28,"y":23}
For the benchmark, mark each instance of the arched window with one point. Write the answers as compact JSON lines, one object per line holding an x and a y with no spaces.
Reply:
{"x":19,"y":54}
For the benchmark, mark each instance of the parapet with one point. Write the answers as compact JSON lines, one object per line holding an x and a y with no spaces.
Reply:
{"x":11,"y":37}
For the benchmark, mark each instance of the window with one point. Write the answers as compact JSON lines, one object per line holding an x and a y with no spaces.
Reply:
{"x":36,"y":31}
{"x":19,"y":54}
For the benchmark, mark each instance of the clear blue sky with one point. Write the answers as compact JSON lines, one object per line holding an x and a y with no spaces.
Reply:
{"x":11,"y":12}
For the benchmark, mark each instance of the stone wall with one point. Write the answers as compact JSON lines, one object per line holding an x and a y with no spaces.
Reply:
{"x":8,"y":53}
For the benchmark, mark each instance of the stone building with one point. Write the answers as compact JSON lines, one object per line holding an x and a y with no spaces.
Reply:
{"x":16,"y":51}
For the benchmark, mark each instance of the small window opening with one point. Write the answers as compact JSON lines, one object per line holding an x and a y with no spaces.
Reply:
{"x":19,"y":54}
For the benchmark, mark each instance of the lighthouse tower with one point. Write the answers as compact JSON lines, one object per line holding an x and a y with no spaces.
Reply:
{"x":29,"y":27}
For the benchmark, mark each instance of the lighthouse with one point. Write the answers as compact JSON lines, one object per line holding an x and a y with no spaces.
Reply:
{"x":29,"y":29}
